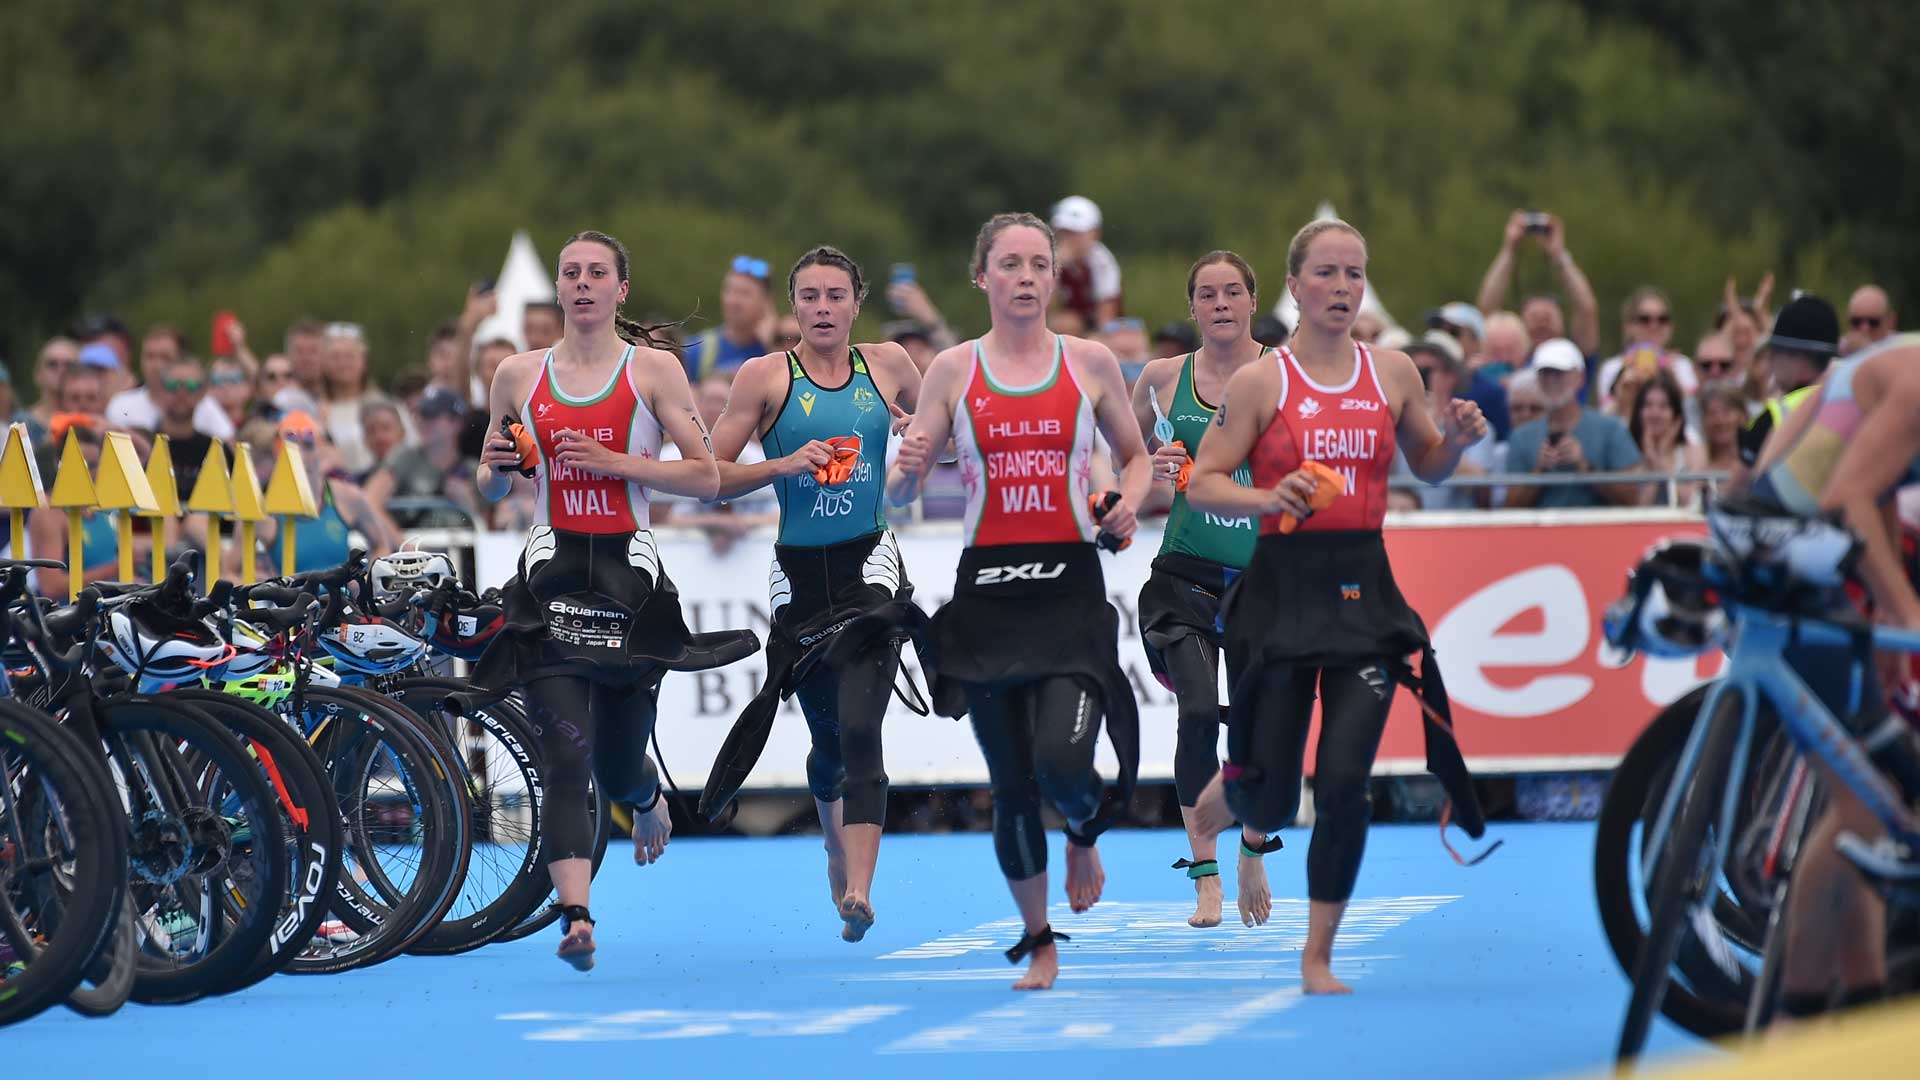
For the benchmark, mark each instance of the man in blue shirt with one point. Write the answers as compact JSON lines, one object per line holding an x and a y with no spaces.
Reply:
{"x":1571,"y":438}
{"x":746,"y":317}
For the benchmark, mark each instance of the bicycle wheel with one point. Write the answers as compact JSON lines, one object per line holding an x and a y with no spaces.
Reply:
{"x":308,"y":816}
{"x":398,"y":841}
{"x":207,"y":852}
{"x":109,"y":980}
{"x":62,"y":862}
{"x":495,"y":752}
{"x":1687,"y":867}
{"x":450,"y":776}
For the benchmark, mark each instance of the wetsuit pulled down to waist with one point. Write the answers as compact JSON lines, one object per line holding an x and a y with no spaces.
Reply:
{"x":1319,"y":616}
{"x":1181,"y":632}
{"x":598,"y":607}
{"x":1029,"y":647}
{"x":840,"y":612}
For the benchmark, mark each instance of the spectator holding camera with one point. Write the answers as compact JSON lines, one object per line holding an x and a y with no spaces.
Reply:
{"x":1646,"y":326}
{"x":1541,"y":314}
{"x":1570,"y":438}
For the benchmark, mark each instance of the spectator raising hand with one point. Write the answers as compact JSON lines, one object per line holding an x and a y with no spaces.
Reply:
{"x":1544,"y":320}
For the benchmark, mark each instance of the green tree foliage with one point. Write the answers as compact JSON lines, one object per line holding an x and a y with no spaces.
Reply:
{"x":366,"y":160}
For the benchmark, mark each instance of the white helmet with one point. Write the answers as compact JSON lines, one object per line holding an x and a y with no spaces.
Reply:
{"x":162,"y":651}
{"x":405,"y":569}
{"x":372,"y":648}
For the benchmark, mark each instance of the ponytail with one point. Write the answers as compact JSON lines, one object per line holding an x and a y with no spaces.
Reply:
{"x":634,"y":333}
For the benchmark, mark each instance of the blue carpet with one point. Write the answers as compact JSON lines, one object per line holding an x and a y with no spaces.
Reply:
{"x":725,"y":960}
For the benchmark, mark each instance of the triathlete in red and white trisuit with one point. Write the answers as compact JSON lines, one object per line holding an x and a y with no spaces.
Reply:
{"x":1317,"y":614}
{"x":592,"y":620}
{"x":1029,"y":645}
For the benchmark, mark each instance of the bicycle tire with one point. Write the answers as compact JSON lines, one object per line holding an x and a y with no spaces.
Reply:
{"x":448,"y":775}
{"x":498,"y":891}
{"x":1677,"y":873}
{"x":345,"y":731}
{"x":174,"y":743}
{"x":33,"y":745}
{"x":308,"y":815}
{"x":117,"y":963}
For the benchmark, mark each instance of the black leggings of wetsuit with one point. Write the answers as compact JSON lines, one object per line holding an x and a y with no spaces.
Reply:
{"x":1353,"y":716}
{"x":1038,"y":738}
{"x":583,"y":724}
{"x":844,"y":709}
{"x":1191,"y":665}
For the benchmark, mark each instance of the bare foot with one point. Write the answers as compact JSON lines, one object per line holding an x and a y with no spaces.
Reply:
{"x":650,"y":832}
{"x":857,"y":915}
{"x":1317,"y":978}
{"x":1255,"y":897}
{"x":577,"y":947}
{"x":1085,"y":879}
{"x":1043,"y":966}
{"x":837,"y":875}
{"x":1210,"y":814}
{"x":1206,"y":904}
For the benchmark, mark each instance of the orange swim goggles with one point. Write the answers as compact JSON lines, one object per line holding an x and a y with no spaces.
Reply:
{"x":1328,"y":485}
{"x":839,"y":468}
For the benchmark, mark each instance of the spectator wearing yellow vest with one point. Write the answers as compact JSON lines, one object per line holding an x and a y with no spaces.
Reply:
{"x":1805,"y":338}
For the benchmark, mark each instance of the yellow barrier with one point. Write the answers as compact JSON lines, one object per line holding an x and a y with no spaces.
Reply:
{"x":125,"y":487}
{"x":166,"y":499}
{"x":289,"y":495}
{"x":20,"y":487}
{"x":248,"y":506}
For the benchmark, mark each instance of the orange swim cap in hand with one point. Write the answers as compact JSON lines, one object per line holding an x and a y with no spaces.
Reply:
{"x":839,"y":468}
{"x":1328,"y":485}
{"x":523,"y":444}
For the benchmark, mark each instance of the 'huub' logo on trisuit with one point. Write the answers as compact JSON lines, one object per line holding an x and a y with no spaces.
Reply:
{"x":1033,"y":571}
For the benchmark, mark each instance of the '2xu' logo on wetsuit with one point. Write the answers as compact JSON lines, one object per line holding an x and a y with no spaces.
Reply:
{"x":1033,"y":571}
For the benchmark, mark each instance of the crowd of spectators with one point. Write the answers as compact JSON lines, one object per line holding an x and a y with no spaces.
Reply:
{"x":397,"y":457}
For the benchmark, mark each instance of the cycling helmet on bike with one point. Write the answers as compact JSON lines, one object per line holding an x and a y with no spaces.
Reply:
{"x":1670,"y":609}
{"x":267,"y":686}
{"x":1770,"y":548}
{"x":162,"y":651}
{"x":372,"y":648}
{"x":404,"y":570}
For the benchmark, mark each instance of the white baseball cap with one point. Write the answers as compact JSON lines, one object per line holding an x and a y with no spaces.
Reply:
{"x":1076,"y":213}
{"x":1559,"y":354}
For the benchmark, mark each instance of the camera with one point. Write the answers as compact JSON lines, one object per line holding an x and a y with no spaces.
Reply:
{"x":1539,"y":222}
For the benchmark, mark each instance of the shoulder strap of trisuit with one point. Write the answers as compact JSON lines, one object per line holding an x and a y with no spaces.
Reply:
{"x":793,"y":366}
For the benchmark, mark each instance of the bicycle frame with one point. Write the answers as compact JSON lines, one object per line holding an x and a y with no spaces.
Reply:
{"x":1755,"y":669}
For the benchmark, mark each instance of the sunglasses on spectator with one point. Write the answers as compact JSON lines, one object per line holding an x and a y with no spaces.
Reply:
{"x":1653,"y":318}
{"x":1864,"y":322}
{"x":752,"y":267}
{"x":234,"y":378}
{"x":1712,"y":365}
{"x":306,"y":441}
{"x":271,"y":375}
{"x":349,"y":330}
{"x":1515,"y":408}
{"x":189,"y":385}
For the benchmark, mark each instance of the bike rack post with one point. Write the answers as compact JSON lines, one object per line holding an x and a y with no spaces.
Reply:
{"x":73,"y":492}
{"x":289,"y":495}
{"x":248,"y":506}
{"x":166,"y":498}
{"x":122,"y":486}
{"x":20,"y":486}
{"x":213,"y":496}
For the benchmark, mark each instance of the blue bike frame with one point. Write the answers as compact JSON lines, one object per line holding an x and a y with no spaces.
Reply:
{"x":1756,"y":668}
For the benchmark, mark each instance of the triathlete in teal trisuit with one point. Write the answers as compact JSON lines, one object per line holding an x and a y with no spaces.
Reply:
{"x":1200,"y":556}
{"x":840,"y":598}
